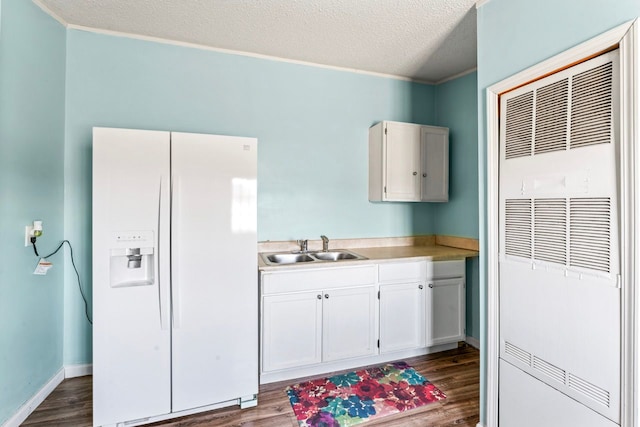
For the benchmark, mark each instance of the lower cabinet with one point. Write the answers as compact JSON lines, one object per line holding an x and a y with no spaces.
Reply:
{"x":402,"y":316}
{"x":349,"y":323}
{"x":318,"y":315}
{"x":446,"y":303}
{"x":291,"y":330}
{"x":403,"y":311}
{"x":316,"y":320}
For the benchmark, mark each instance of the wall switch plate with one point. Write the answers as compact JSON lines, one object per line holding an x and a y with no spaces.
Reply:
{"x":28,"y":231}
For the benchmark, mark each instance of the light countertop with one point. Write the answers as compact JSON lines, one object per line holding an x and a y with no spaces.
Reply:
{"x":384,"y":254}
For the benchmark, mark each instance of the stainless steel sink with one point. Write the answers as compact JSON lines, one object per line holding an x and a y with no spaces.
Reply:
{"x":280,"y":258}
{"x":288,"y":258}
{"x":334,"y":255}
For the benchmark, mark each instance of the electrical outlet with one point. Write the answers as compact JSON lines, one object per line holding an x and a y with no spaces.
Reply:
{"x":28,"y":232}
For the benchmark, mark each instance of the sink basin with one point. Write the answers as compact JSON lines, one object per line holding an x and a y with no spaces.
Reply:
{"x":288,"y":258}
{"x":280,"y":258}
{"x":334,"y":255}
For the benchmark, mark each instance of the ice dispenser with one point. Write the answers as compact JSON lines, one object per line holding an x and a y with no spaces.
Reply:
{"x":132,"y":259}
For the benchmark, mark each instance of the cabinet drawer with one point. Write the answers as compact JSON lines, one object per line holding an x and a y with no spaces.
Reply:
{"x":301,"y":280}
{"x":445,"y":269}
{"x":402,"y":271}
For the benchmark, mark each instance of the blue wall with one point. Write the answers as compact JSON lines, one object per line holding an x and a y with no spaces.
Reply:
{"x":457,"y":109}
{"x":32,"y":84}
{"x":514,"y":35}
{"x":312,"y":125}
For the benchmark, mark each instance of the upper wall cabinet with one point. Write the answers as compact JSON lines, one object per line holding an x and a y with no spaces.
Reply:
{"x":408,"y":163}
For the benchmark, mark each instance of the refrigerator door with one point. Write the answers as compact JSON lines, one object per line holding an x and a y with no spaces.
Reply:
{"x":131,"y":291}
{"x":214,"y":269}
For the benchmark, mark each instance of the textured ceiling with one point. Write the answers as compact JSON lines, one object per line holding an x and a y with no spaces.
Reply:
{"x":426,"y":40}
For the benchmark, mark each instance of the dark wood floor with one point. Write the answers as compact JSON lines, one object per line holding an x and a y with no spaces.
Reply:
{"x":455,"y":372}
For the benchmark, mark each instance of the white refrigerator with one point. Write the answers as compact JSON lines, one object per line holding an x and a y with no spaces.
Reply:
{"x":175,"y":292}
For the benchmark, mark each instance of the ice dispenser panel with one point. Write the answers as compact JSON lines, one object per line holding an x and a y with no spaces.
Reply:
{"x":132,"y":259}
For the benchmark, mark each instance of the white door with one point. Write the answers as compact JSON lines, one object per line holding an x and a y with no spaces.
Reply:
{"x":131,"y":335}
{"x":214,"y":269}
{"x":402,"y":150}
{"x":291,"y":330}
{"x":402,"y":316}
{"x":559,"y":264}
{"x":349,"y":323}
{"x":435,"y":164}
{"x":445,"y":307}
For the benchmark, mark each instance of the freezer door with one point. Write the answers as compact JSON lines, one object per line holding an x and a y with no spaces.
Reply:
{"x":131,"y":330}
{"x":214,"y":269}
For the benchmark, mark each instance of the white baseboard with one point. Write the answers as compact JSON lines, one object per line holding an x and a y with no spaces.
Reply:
{"x":69,"y":371}
{"x":25,"y":410}
{"x":475,"y":343}
{"x":72,"y":371}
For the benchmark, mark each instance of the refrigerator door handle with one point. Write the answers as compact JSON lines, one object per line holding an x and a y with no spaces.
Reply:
{"x":175,"y":231}
{"x":163,"y":305}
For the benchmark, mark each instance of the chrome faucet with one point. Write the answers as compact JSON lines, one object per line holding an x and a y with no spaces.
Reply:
{"x":303,"y":245}
{"x":325,"y":243}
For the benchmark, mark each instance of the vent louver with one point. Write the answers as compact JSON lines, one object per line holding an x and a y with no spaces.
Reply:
{"x":558,"y":376}
{"x":587,"y":228}
{"x":552,"y":109}
{"x":519,"y":126}
{"x":517,"y":353}
{"x":583,"y":103}
{"x":550,"y":230}
{"x":549,"y":370}
{"x":518,"y":227}
{"x":592,"y":106}
{"x":591,"y":391}
{"x":590,"y":233}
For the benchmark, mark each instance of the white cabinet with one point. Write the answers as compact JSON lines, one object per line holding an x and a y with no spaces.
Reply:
{"x":349,"y":323}
{"x":292,"y":330}
{"x":323,"y":319}
{"x":446,"y":302}
{"x":402,"y":316}
{"x":402,"y":306}
{"x":408,"y":162}
{"x":311,"y":316}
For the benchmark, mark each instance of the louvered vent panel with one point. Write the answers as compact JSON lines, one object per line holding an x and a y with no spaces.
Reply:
{"x":517,"y":353}
{"x":549,"y":370}
{"x":550,"y":230}
{"x":593,"y":392}
{"x":519,"y":126}
{"x":592,"y":107}
{"x":552,"y":108}
{"x":518,"y":227}
{"x":590,"y":233}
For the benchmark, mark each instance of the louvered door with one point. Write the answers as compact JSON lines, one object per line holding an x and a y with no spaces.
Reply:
{"x":559,"y":242}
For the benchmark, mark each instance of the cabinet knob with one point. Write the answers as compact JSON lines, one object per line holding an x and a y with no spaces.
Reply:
{"x":319,"y":296}
{"x":431,"y":285}
{"x":424,"y":175}
{"x":415,"y":173}
{"x":420,"y":287}
{"x":326,"y":295}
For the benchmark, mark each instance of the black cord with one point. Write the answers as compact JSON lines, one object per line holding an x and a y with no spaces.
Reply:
{"x":33,"y":242}
{"x":86,"y":305}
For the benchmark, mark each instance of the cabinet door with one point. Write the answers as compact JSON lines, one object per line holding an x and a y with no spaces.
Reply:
{"x":434,"y":165}
{"x":445,"y":311}
{"x":349,"y":323}
{"x":402,"y":162}
{"x":402,"y":316}
{"x":291,"y":330}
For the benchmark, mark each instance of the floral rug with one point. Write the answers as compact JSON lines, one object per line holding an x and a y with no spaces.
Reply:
{"x":355,"y":397}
